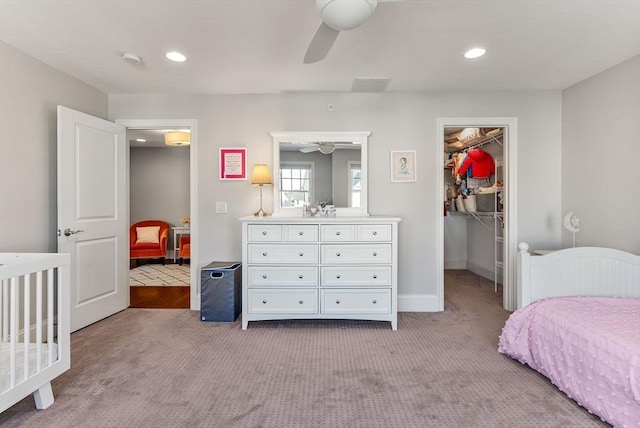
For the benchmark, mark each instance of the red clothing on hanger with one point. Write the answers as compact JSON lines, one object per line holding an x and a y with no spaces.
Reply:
{"x":480,"y":162}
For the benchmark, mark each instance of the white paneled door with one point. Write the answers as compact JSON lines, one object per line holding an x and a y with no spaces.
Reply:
{"x":92,"y":214}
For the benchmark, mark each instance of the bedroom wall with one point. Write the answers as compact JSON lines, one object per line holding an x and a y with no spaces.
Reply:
{"x":397,"y":121}
{"x":600,"y":153}
{"x":31,"y":92}
{"x":159,"y":184}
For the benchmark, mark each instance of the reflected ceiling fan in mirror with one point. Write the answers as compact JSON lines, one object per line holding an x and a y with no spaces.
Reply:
{"x":337,"y":15}
{"x":326,"y":148}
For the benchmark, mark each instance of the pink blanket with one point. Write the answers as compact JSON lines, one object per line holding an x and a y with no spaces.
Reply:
{"x":589,"y":347}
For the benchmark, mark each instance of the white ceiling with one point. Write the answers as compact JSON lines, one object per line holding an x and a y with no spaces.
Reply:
{"x":257,"y":46}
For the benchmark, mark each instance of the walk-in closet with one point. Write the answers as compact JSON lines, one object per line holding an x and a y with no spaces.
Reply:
{"x":474,"y":206}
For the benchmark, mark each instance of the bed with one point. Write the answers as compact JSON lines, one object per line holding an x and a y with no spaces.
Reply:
{"x":34,"y":326}
{"x":579,"y":325}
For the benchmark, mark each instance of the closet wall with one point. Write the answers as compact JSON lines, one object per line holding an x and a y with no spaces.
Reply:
{"x":473,"y":231}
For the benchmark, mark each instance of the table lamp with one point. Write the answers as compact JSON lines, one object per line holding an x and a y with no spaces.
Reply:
{"x":260,"y":177}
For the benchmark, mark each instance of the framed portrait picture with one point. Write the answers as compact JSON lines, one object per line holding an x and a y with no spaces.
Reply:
{"x":233,"y":163}
{"x":403,"y":166}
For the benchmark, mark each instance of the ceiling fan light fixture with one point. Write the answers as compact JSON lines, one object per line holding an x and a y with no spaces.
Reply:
{"x":344,"y":15}
{"x":177,"y":138}
{"x":327,"y":149}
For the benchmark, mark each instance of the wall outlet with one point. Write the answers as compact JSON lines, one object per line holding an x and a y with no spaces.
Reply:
{"x":221,"y":207}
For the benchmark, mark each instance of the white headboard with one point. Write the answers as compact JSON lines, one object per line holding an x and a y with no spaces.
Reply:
{"x":581,"y":271}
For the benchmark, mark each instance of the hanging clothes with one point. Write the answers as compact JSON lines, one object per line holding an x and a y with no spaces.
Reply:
{"x":478,"y":164}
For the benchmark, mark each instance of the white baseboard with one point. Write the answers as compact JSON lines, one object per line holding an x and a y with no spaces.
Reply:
{"x":418,"y":303}
{"x":455,"y":264}
{"x":483,"y":271}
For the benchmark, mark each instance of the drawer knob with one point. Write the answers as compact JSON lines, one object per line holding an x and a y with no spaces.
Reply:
{"x":337,"y":302}
{"x":264,"y":302}
{"x":338,"y":276}
{"x":264,"y":232}
{"x":300,"y":233}
{"x":375,"y":233}
{"x":300,"y":276}
{"x":301,"y":301}
{"x":375,"y":254}
{"x":264,"y":276}
{"x":375,"y":301}
{"x":338,"y":233}
{"x":338,"y":254}
{"x":375,"y":276}
{"x":301,"y":254}
{"x":264,"y":254}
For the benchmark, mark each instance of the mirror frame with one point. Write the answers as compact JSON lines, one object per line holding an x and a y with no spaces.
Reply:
{"x":361,"y":137}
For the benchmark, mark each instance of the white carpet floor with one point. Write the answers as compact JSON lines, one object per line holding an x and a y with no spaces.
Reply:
{"x":158,"y":275}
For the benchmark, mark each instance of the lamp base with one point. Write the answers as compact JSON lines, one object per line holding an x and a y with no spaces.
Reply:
{"x":261,"y":213}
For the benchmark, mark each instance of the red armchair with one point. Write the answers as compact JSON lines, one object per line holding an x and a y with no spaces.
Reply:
{"x":148,"y":240}
{"x":185,"y":248}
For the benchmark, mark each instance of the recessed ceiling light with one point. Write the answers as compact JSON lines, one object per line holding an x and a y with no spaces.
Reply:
{"x":474,"y":53}
{"x":176,"y":56}
{"x":141,"y":140}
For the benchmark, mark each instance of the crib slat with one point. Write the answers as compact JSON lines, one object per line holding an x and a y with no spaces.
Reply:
{"x":13,"y":328}
{"x":26,"y":325}
{"x":50,"y":315}
{"x":39,"y":321}
{"x":5,"y":310}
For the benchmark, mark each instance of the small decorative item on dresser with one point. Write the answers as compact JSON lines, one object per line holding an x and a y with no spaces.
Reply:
{"x":260,"y":177}
{"x":186,"y":221}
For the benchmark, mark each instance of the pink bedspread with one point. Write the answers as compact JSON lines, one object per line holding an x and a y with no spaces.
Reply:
{"x":589,"y":347}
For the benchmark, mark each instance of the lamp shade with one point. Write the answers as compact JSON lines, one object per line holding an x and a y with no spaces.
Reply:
{"x":177,"y":138}
{"x":260,"y":174}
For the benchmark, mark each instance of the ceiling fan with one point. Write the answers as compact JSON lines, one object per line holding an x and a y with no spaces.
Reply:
{"x":326,"y":148}
{"x":337,"y":15}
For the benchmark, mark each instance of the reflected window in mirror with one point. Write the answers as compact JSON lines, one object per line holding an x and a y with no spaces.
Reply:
{"x":296,"y":188}
{"x":354,"y":185}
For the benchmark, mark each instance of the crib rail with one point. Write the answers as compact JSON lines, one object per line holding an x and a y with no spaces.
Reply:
{"x":34,"y":325}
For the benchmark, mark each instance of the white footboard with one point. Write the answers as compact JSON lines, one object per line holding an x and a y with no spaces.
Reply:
{"x":580,"y":271}
{"x":34,"y":326}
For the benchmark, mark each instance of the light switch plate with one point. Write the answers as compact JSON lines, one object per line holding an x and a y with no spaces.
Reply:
{"x":221,"y":207}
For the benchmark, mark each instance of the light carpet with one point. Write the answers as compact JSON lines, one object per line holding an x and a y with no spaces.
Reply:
{"x":157,"y":274}
{"x":165,"y":368}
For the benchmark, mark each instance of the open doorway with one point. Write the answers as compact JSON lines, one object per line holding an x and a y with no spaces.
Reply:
{"x":159,"y":199}
{"x":161,"y":186}
{"x":481,"y":235}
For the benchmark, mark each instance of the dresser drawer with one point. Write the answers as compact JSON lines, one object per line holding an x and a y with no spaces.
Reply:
{"x":373,"y":232}
{"x":296,"y":301}
{"x":338,"y":233}
{"x":285,"y":254}
{"x":355,"y":276}
{"x":302,"y":276}
{"x":300,"y":233}
{"x":349,"y":301}
{"x":356,"y":254}
{"x":264,"y":232}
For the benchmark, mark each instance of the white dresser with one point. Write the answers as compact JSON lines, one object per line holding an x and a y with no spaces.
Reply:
{"x":312,"y":268}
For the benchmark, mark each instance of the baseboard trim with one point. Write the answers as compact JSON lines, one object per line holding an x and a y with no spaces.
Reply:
{"x":455,"y":264}
{"x":483,"y":271}
{"x":418,"y":303}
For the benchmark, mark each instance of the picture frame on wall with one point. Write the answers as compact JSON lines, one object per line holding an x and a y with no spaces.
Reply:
{"x":403,"y":166}
{"x":233,"y":163}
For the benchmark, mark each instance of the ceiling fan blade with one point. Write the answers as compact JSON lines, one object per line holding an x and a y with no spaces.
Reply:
{"x":309,"y":149}
{"x":321,"y":44}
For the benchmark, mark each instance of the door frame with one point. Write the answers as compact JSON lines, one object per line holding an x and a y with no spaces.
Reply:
{"x":510,"y":157}
{"x":193,"y":189}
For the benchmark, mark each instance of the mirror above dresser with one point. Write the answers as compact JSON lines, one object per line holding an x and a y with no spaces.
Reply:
{"x":316,"y":168}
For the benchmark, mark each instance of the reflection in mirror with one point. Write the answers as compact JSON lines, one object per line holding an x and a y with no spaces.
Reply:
{"x":320,"y":168}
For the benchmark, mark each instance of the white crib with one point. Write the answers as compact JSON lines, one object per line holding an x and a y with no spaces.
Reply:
{"x":34,"y":326}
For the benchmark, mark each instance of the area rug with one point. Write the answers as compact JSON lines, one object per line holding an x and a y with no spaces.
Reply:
{"x":158,"y":275}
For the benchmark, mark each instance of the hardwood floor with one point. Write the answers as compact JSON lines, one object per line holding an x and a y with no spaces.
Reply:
{"x":164,"y":297}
